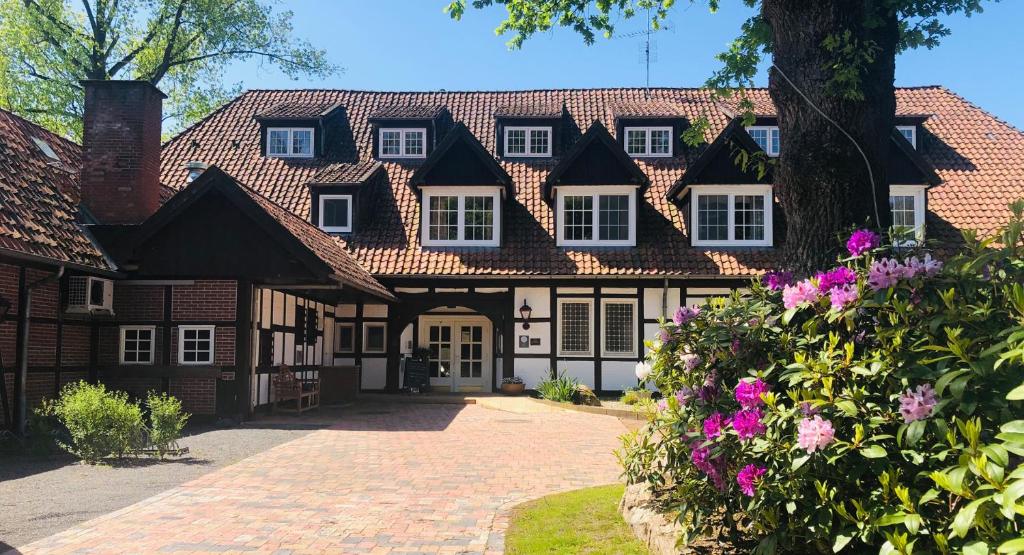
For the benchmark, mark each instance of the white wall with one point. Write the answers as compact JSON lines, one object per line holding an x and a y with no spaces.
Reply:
{"x":374,"y":373}
{"x":532,"y":370}
{"x":618,"y":375}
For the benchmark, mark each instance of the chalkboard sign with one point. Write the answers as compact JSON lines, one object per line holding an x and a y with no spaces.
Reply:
{"x":417,"y":375}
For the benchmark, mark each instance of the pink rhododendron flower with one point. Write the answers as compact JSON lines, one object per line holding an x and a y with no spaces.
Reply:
{"x":835,"y":278}
{"x":713,"y":467}
{"x":664,"y":336}
{"x":918,"y":404}
{"x":690,"y":360}
{"x":777,"y":280}
{"x":861,"y":242}
{"x":684,"y":395}
{"x":842,"y":296}
{"x":815,"y":434}
{"x":747,"y":423}
{"x":748,"y":394}
{"x":713,"y":425}
{"x":748,"y":478}
{"x":885,"y":273}
{"x":685,"y":314}
{"x":796,"y":295}
{"x":927,"y":267}
{"x":662,"y":404}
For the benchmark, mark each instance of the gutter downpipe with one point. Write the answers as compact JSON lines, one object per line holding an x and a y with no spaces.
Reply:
{"x":21,"y":375}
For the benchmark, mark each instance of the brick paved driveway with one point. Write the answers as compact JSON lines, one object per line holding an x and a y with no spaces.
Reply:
{"x":382,"y":479}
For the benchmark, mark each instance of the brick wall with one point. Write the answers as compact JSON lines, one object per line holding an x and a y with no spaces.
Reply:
{"x":197,"y":395}
{"x":139,"y":303}
{"x":75,"y":345}
{"x":212,"y":300}
{"x":9,"y":275}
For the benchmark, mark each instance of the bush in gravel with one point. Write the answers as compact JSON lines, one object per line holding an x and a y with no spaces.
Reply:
{"x":637,"y":396}
{"x":874,"y":407}
{"x":100,"y":423}
{"x":166,"y":422}
{"x":559,"y":388}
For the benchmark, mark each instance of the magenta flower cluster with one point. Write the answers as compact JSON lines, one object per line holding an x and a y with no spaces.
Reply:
{"x":836,"y":277}
{"x":685,"y":314}
{"x":714,"y":467}
{"x":714,"y":424}
{"x":748,"y":478}
{"x":861,"y":241}
{"x":918,"y":404}
{"x":747,"y":423}
{"x":887,"y":272}
{"x":748,"y":394}
{"x":777,"y":280}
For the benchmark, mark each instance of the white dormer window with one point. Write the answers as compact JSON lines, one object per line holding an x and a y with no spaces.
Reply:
{"x":402,"y":143}
{"x":461,"y":216}
{"x":906,"y":203}
{"x":767,"y":137}
{"x":596,"y":216}
{"x":740,"y":215}
{"x":289,"y":142}
{"x":528,"y":141}
{"x":648,"y":141}
{"x":336,"y":213}
{"x":909,"y":133}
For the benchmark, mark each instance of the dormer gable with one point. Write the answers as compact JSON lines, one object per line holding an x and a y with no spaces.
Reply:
{"x":460,"y":160}
{"x":297,"y":129}
{"x":530,"y":130}
{"x":717,"y":164}
{"x":342,"y":195}
{"x":906,"y":165}
{"x":595,"y":159}
{"x":408,"y":131}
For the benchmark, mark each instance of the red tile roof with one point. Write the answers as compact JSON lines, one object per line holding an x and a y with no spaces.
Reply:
{"x":39,"y":196}
{"x":407,"y":111}
{"x":299,"y":110}
{"x":545,"y":110}
{"x":979,"y":158}
{"x":346,"y":172}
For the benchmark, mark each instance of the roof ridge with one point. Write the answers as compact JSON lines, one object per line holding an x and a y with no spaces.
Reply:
{"x":205,"y":118}
{"x":963,"y":99}
{"x":527,"y":90}
{"x":39,"y":126}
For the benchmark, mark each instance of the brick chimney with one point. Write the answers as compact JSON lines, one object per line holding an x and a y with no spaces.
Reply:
{"x":121,"y":150}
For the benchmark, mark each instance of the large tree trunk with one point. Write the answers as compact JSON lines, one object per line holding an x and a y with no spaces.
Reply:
{"x":821,"y":178}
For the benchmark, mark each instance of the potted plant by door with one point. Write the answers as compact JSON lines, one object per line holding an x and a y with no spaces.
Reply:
{"x":512,"y":386}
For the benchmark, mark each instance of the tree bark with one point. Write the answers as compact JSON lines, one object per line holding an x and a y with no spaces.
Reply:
{"x":821,"y":178}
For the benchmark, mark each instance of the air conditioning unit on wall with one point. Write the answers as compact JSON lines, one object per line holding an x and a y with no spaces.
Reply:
{"x":89,"y":295}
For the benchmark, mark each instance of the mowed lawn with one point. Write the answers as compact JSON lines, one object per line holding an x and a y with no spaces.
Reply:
{"x":581,"y":521}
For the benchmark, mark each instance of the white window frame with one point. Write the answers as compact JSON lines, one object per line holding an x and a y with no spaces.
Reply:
{"x":320,"y":214}
{"x":919,"y":192}
{"x":528,"y":129}
{"x":291,"y":144}
{"x":181,"y":345}
{"x":632,"y":354}
{"x":152,"y":345}
{"x":337,"y":336}
{"x":596,"y":192}
{"x":913,"y":133}
{"x":732,"y":191}
{"x":647,"y":129}
{"x":402,"y":132}
{"x":769,"y":128}
{"x":366,"y":335}
{"x":589,"y":353}
{"x":461,"y":193}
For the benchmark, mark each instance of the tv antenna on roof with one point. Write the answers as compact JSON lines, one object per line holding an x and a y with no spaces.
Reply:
{"x":648,"y":48}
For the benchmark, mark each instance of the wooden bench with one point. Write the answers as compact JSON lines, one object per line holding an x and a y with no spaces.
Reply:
{"x":287,"y":387}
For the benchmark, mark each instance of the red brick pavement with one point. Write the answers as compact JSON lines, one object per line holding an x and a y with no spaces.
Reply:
{"x":382,"y":479}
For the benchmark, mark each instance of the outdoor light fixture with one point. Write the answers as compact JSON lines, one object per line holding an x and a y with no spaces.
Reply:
{"x":525,"y":312}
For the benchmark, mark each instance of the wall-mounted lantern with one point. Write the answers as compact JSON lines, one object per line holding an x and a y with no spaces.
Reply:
{"x":525,"y":311}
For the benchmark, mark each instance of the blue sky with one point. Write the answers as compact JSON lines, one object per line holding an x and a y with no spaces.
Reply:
{"x":413,"y":45}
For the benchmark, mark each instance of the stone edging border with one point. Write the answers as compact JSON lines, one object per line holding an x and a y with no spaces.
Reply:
{"x":618,"y":413}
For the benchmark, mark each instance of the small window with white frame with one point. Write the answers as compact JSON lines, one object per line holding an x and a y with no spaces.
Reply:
{"x":374,"y":337}
{"x":522,"y":141}
{"x":196,"y":344}
{"x":137,"y":344}
{"x":907,"y":206}
{"x":909,"y":133}
{"x":402,"y":143}
{"x":461,"y":216}
{"x":575,"y":327}
{"x":596,"y":216}
{"x":648,"y":141}
{"x":767,"y":137}
{"x":738,"y":215}
{"x":619,"y":328}
{"x":345,"y":337}
{"x":336,"y":213}
{"x":290,"y":142}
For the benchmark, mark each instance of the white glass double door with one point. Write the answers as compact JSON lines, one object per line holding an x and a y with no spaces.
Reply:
{"x":460,"y":352}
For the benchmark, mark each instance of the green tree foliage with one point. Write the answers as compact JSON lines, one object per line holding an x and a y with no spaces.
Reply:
{"x":48,"y":46}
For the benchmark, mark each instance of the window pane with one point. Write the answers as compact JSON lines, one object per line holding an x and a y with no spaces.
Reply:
{"x":713,"y":217}
{"x":413,"y":143}
{"x":661,"y":141}
{"x":636,"y":141}
{"x":774,"y":134}
{"x":539,"y":140}
{"x":515,"y":142}
{"x":479,"y":218}
{"x":613,"y":218}
{"x":390,"y":143}
{"x":196,"y":345}
{"x":346,"y":339}
{"x":335,"y":212}
{"x":619,"y":328}
{"x":575,"y":322}
{"x":277,"y":141}
{"x":903,"y":213}
{"x":749,"y":217}
{"x":375,"y":338}
{"x":444,"y":218}
{"x":302,"y":142}
{"x":760,"y":137}
{"x":579,"y":218}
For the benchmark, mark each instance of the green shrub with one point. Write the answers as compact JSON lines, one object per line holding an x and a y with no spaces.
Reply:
{"x":166,"y":422}
{"x":560,"y":388}
{"x":100,"y":423}
{"x":636,"y":396}
{"x":872,"y":408}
